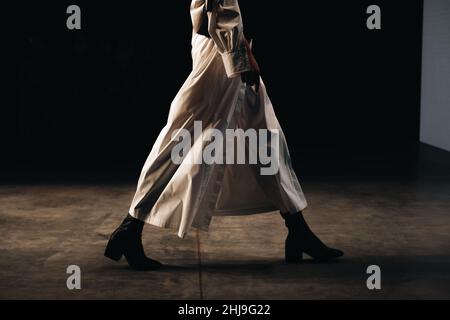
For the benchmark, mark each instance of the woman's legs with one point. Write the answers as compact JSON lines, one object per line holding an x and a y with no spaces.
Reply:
{"x":301,"y":240}
{"x":127,"y":240}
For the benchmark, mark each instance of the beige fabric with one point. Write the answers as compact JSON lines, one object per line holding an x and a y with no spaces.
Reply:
{"x":185,"y":195}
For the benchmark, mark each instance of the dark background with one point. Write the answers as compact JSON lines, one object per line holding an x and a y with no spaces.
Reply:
{"x":93,"y":101}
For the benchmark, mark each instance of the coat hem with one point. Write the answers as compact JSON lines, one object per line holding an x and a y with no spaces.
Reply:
{"x":156,"y":222}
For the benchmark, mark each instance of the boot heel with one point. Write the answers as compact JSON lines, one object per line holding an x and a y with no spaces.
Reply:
{"x":114,"y":250}
{"x":293,"y":253}
{"x":297,"y":258}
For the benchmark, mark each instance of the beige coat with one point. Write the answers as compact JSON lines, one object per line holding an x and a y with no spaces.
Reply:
{"x":182,"y":195}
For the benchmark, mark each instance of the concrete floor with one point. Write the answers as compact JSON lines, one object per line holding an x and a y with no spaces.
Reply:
{"x":402,"y":225}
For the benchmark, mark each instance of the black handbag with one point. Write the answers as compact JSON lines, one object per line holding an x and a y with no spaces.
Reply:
{"x":209,"y":4}
{"x":203,"y":30}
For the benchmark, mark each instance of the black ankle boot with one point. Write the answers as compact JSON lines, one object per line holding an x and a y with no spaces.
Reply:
{"x":301,"y":240}
{"x":127,"y":240}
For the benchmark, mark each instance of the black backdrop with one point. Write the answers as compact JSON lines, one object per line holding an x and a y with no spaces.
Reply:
{"x":97,"y":98}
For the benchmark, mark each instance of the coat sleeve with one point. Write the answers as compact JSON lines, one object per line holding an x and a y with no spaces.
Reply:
{"x":226,"y":30}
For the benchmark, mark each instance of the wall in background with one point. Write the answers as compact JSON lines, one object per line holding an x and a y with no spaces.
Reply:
{"x":435,"y":104}
{"x":100,"y":96}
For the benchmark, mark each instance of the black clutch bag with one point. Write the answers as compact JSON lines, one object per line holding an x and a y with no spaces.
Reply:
{"x":209,"y":5}
{"x":205,"y":23}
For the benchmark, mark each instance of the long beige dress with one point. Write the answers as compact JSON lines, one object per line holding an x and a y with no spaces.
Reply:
{"x":179,"y":196}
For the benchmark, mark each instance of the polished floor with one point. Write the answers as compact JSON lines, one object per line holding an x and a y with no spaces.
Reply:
{"x":383,"y":210}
